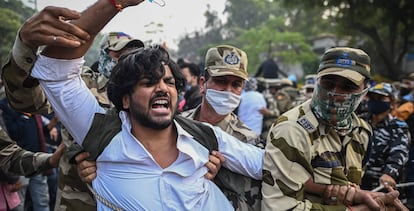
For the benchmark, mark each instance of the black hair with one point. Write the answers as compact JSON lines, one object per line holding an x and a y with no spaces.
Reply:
{"x":194,"y":69}
{"x":138,"y":64}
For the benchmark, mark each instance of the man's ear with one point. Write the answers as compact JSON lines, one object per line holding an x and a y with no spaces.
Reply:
{"x":125,"y":102}
{"x":203,"y":85}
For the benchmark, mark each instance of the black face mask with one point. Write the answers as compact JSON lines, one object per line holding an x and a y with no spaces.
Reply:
{"x":377,"y":107}
{"x":404,"y":91}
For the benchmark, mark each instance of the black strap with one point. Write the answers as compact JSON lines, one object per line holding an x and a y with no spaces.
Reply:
{"x":106,"y":126}
{"x":202,"y":133}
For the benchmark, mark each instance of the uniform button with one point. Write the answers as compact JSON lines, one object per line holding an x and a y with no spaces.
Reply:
{"x":29,"y":60}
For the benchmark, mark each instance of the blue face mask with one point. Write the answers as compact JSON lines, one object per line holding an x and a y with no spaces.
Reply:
{"x":377,"y":107}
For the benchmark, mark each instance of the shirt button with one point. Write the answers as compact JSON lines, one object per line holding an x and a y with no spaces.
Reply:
{"x":29,"y":60}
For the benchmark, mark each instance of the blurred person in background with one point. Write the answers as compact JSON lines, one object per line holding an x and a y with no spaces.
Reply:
{"x":390,"y":140}
{"x":9,"y":187}
{"x":252,"y":106}
{"x":192,"y":96}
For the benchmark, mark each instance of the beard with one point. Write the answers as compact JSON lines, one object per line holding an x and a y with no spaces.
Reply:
{"x":138,"y":113}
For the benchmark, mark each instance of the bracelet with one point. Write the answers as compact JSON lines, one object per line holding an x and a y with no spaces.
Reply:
{"x":349,"y":208}
{"x":118,"y":6}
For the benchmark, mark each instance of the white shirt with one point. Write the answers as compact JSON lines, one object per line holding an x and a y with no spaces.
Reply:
{"x":127,"y":174}
{"x":250,"y":104}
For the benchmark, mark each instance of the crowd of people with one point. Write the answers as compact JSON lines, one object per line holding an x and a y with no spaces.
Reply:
{"x":140,"y":131}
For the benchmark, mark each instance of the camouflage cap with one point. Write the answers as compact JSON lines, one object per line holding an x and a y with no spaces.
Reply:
{"x":226,"y":60}
{"x":116,"y":41}
{"x":353,"y":64}
{"x":381,"y":89}
{"x":251,"y":84}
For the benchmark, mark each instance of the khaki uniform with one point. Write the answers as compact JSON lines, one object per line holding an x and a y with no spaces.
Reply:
{"x":298,"y":148}
{"x":13,"y":158}
{"x":16,"y":160}
{"x":272,"y":105}
{"x":249,"y":197}
{"x":25,"y":94}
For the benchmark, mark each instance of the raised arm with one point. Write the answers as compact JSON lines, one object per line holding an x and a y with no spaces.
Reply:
{"x":22,"y":91}
{"x":58,"y":71}
{"x":92,"y":20}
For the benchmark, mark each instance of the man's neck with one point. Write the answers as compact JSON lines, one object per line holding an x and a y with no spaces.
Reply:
{"x":207,"y":114}
{"x":161,"y":143}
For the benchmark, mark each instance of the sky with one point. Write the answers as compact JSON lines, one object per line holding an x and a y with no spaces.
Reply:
{"x":179,"y":17}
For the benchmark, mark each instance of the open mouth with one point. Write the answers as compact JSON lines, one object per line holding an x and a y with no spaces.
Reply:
{"x":160,"y":104}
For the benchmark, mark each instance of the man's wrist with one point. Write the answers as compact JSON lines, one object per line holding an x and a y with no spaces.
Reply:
{"x":49,"y":164}
{"x":117,"y":5}
{"x":23,"y":55}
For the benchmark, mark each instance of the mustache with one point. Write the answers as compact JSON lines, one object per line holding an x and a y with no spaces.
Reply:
{"x":160,"y":95}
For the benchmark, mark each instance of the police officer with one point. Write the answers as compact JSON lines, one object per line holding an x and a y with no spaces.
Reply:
{"x":221,"y":87}
{"x":390,"y":140}
{"x":314,"y":153}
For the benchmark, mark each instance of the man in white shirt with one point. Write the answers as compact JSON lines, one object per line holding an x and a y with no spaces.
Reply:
{"x":152,"y":151}
{"x":251,"y":106}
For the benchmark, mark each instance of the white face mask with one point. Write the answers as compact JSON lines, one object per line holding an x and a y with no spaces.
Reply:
{"x":223,"y":102}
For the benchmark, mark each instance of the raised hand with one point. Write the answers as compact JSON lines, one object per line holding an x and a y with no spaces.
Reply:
{"x":51,"y":26}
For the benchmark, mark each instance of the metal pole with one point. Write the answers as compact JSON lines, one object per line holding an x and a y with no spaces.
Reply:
{"x":400,"y":185}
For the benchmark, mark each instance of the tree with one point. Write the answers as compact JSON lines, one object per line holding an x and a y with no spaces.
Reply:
{"x":263,"y":29}
{"x":18,"y":7}
{"x":8,"y":27}
{"x":256,"y":26}
{"x":194,"y":46}
{"x":273,"y":40}
{"x":12,"y":14}
{"x":386,"y":25}
{"x":247,"y":14}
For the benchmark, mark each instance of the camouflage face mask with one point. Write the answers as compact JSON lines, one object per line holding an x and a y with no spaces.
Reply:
{"x":106,"y":63}
{"x":336,"y":109}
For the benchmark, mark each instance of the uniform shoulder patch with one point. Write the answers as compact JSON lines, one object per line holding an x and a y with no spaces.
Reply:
{"x":307,"y":124}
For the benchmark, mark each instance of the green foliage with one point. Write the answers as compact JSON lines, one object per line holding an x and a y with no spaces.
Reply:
{"x":285,"y":29}
{"x":18,"y":7}
{"x":256,"y":26}
{"x":272,"y":39}
{"x":384,"y":27}
{"x":12,"y":15}
{"x":8,"y":27}
{"x":245,"y":14}
{"x":310,"y":67}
